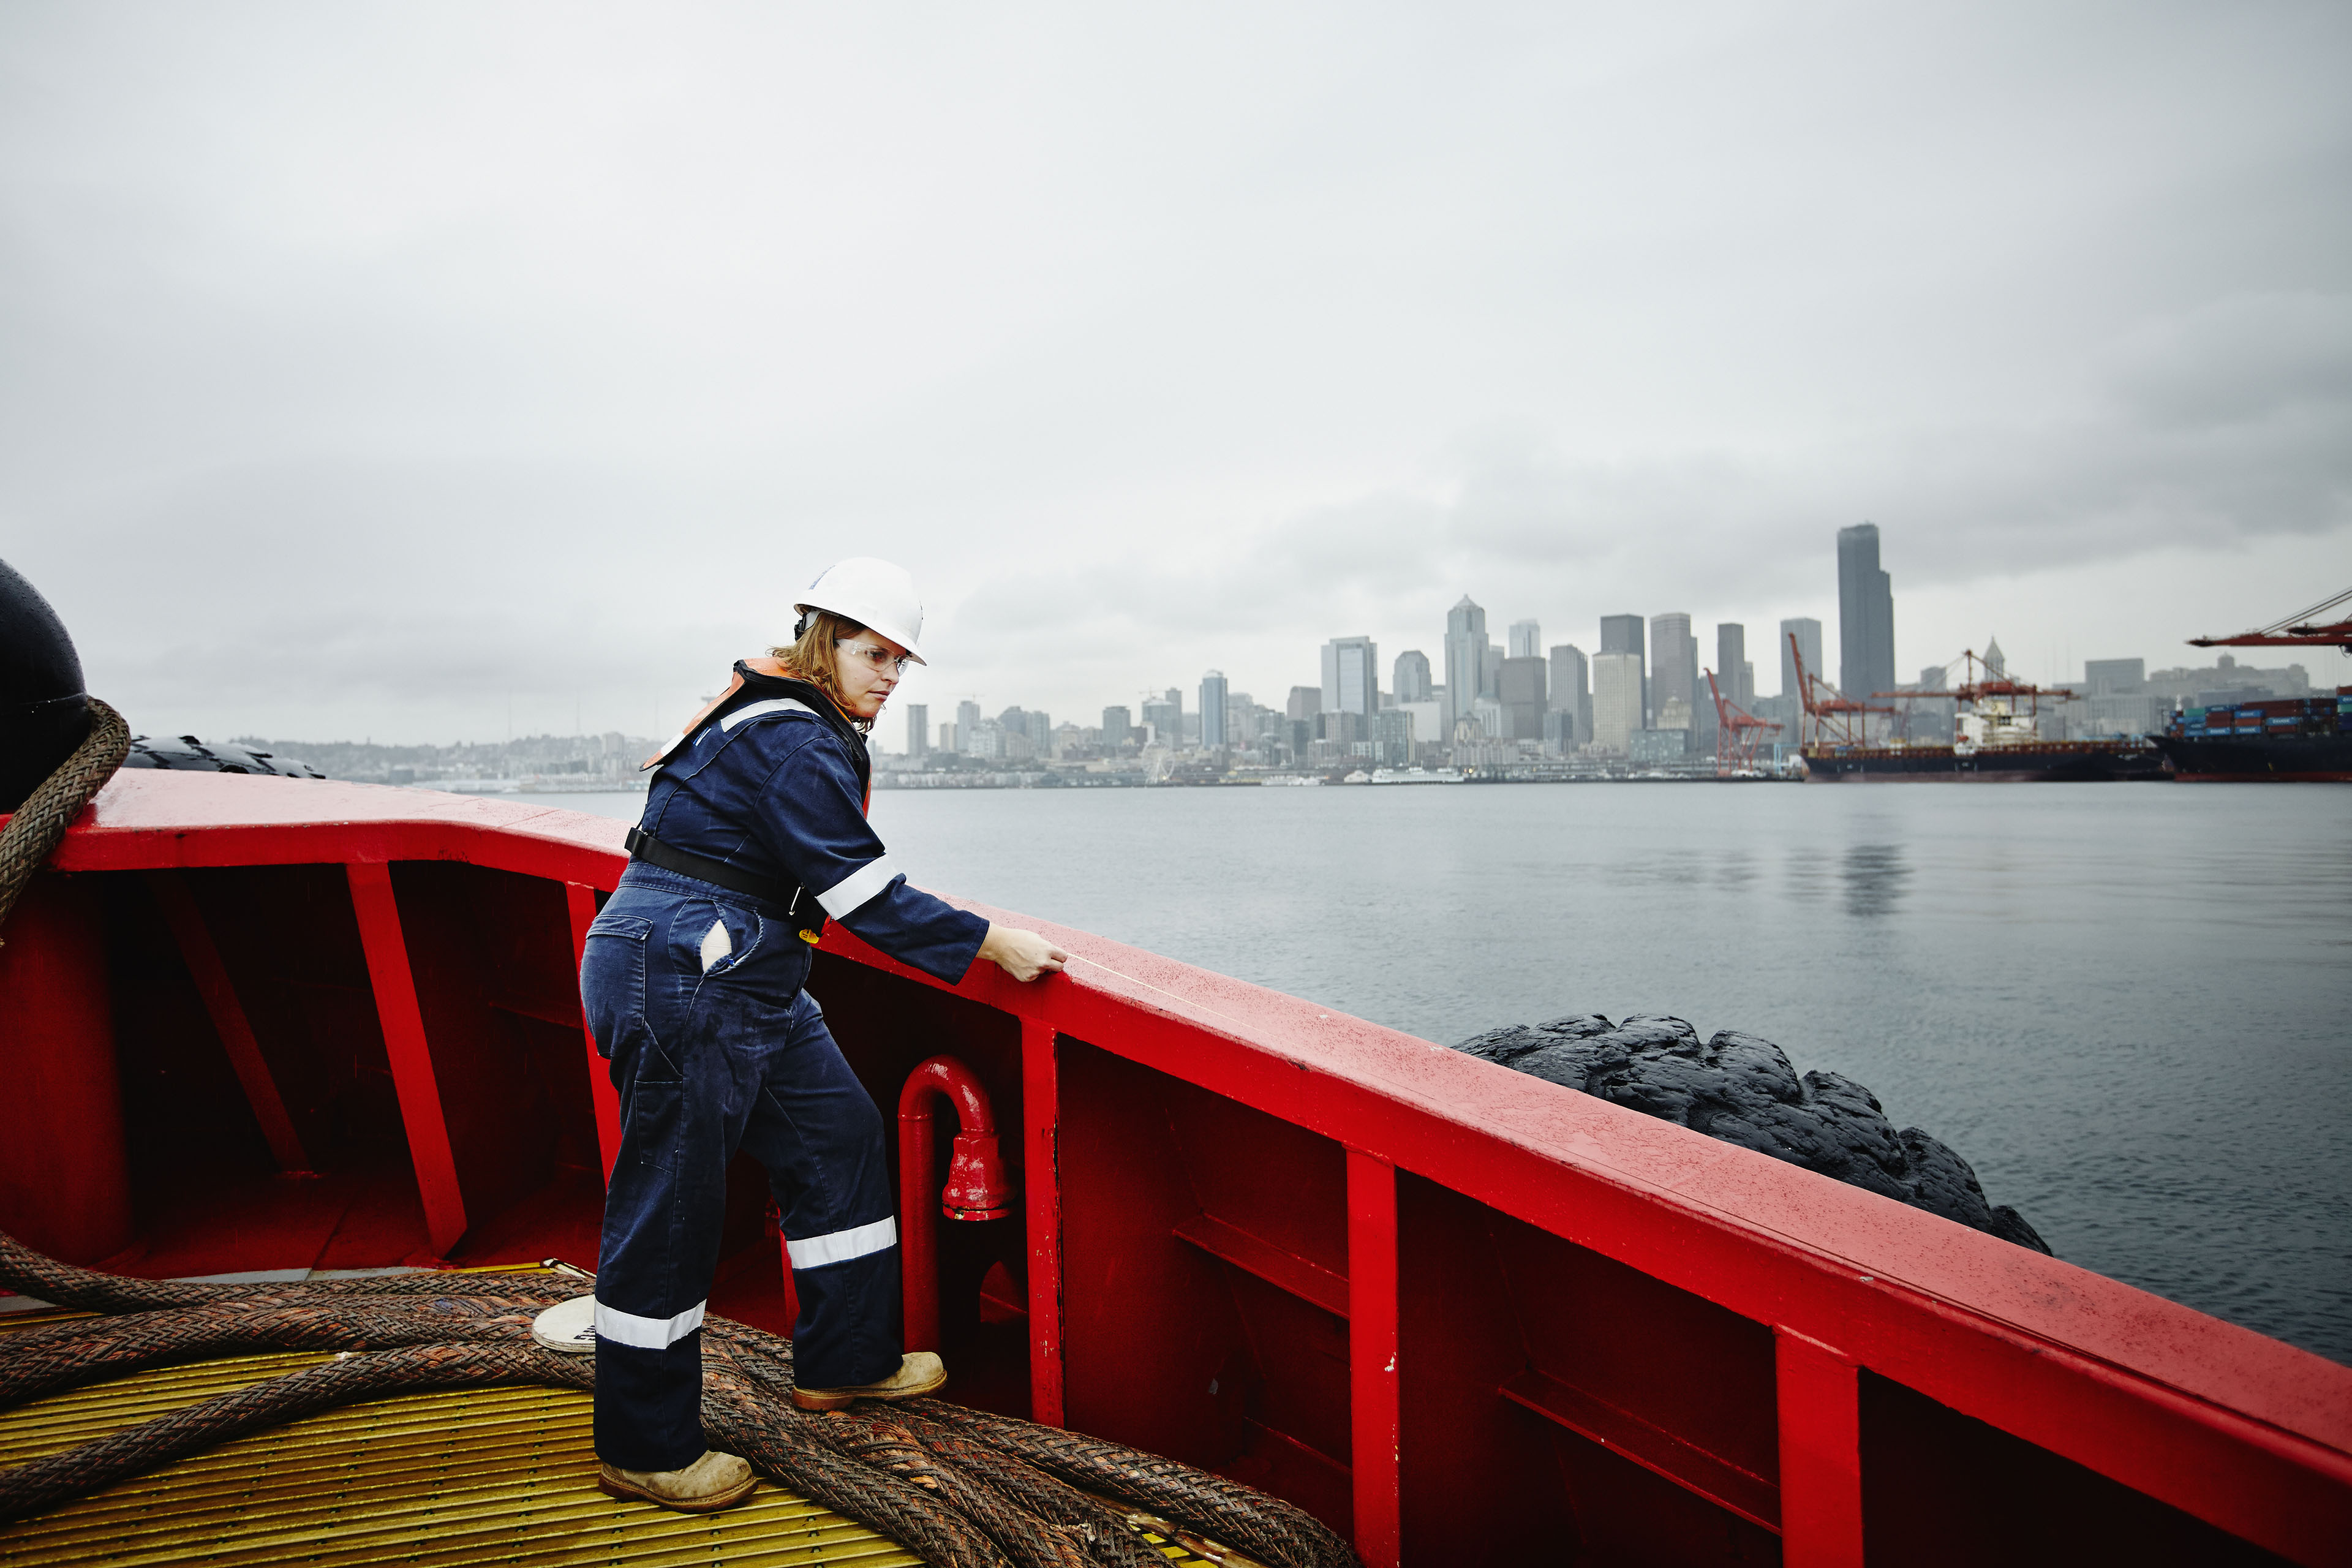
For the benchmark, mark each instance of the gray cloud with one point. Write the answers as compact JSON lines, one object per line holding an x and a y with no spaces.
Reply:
{"x":362,"y":368}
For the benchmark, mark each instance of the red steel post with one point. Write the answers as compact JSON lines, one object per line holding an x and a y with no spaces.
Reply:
{"x":1820,"y":1454}
{"x":229,"y":1022}
{"x":581,"y":901}
{"x":412,"y":1059}
{"x":1374,"y":1413}
{"x":1041,"y":1118}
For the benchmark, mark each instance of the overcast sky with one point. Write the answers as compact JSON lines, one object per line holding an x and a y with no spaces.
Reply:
{"x":411,"y":371}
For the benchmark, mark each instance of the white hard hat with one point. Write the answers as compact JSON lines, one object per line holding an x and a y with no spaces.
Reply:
{"x":873,"y":594}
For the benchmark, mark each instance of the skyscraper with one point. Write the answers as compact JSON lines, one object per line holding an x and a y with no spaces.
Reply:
{"x":1616,"y":700}
{"x":1468,"y":653}
{"x":967,"y":724}
{"x":1213,"y":711}
{"x":1570,"y":693}
{"x":919,"y":729}
{"x":1164,"y":719}
{"x":1733,"y":674}
{"x":1807,"y":633}
{"x":1865,"y":615}
{"x":1622,"y":634}
{"x":1116,"y":726}
{"x":1521,"y":683}
{"x":1352,"y":676}
{"x":1525,"y":640}
{"x":1305,"y":702}
{"x":1411,"y":681}
{"x":1673,"y":665}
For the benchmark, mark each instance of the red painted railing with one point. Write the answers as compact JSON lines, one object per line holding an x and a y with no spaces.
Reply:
{"x":1853,"y":1293}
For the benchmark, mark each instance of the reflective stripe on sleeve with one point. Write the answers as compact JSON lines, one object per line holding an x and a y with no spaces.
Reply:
{"x":857,"y":886}
{"x":759,"y":710}
{"x":647,"y":1334}
{"x":841,"y":1245}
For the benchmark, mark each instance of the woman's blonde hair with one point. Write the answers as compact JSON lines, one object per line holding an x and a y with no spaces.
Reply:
{"x":811,"y":657}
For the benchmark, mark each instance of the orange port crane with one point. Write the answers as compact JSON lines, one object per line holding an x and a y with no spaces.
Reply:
{"x":2302,"y":629}
{"x":1834,"y":718}
{"x":1737,"y":731}
{"x":2022,"y":695}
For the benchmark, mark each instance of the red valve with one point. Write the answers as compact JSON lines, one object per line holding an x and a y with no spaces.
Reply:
{"x":978,"y":1186}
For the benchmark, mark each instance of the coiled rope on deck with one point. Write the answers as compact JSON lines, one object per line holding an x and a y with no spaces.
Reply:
{"x":38,"y":825}
{"x":961,"y":1488}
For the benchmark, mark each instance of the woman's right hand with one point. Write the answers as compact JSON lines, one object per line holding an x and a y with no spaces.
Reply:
{"x":1022,"y":955}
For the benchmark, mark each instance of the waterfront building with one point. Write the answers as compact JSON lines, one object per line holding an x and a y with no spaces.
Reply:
{"x":1622,"y":634}
{"x":1659,"y":745}
{"x":1428,"y":721}
{"x":1305,"y":702}
{"x":1117,"y":728}
{"x":1352,"y":676}
{"x":1807,"y":633}
{"x":1488,"y":714}
{"x":1522,"y":696}
{"x":1392,"y":737}
{"x":948,"y":736}
{"x":1865,"y":615}
{"x":967,"y":724}
{"x":1411,"y":682}
{"x":919,"y":729}
{"x":1572,"y":693}
{"x":1674,"y":663}
{"x":1213,"y":715}
{"x":1467,"y":654}
{"x":1616,"y":700}
{"x":1525,"y":640}
{"x":1040,"y":725}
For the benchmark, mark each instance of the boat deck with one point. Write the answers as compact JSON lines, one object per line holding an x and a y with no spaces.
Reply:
{"x":460,"y":1476}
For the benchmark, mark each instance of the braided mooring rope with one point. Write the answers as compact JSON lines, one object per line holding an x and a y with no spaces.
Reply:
{"x":37,"y":825}
{"x":960,"y":1488}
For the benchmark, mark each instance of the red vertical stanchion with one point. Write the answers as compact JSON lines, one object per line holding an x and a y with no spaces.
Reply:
{"x":1820,"y":1454}
{"x":229,"y":1021}
{"x":601,"y":1092}
{"x":412,"y":1059}
{"x":1374,"y":1413}
{"x":1041,"y":1116}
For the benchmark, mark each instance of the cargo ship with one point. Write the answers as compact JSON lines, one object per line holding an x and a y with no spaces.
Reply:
{"x":2289,"y":740}
{"x":270,"y":1029}
{"x":1999,"y":740}
{"x":2301,"y":739}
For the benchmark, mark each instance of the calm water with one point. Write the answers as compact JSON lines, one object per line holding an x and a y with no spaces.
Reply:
{"x":2127,"y":1005}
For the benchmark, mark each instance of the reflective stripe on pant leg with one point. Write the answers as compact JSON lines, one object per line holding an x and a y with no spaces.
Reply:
{"x":818,"y":1133}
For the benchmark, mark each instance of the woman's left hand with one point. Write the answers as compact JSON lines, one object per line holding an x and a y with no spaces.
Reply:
{"x":1022,"y":955}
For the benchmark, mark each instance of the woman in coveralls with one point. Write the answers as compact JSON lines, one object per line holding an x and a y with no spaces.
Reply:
{"x":754,"y":832}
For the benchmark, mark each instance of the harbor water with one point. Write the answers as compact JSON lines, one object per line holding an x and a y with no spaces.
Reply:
{"x":2128,"y":1005}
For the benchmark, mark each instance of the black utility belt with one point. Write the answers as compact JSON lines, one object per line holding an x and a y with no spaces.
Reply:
{"x":806,"y":915}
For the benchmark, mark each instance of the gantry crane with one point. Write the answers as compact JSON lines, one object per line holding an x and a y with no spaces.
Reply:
{"x":2298,"y":630}
{"x":1834,"y":718}
{"x":1737,"y":732}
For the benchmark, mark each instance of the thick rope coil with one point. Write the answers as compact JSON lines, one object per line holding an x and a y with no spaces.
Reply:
{"x":38,"y":825}
{"x":961,"y":1488}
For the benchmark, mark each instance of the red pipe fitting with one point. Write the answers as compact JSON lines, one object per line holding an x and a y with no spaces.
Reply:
{"x":978,"y":1186}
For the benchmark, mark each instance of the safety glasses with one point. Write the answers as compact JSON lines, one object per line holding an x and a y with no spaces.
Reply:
{"x":879,"y":657}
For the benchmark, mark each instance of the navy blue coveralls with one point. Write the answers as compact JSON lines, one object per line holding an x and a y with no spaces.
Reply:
{"x":694,"y":991}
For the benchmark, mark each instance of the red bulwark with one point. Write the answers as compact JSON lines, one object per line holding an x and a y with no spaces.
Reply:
{"x":1596,"y":1334}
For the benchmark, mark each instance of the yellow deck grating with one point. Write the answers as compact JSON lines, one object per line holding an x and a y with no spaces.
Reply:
{"x":462,"y":1476}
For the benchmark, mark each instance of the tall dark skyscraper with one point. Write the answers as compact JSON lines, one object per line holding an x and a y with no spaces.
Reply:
{"x":1734,"y":676}
{"x":1622,"y":634}
{"x":1674,"y":666}
{"x":1865,"y":615}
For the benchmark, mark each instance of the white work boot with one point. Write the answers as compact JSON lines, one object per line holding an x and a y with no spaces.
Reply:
{"x":714,"y":1481}
{"x":920,"y":1372}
